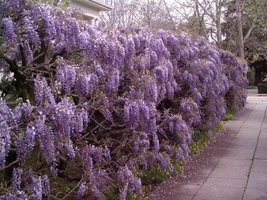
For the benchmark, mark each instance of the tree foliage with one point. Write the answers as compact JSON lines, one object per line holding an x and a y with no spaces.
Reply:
{"x":254,"y":29}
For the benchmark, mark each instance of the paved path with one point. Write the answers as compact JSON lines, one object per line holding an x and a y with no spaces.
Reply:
{"x":235,"y":168}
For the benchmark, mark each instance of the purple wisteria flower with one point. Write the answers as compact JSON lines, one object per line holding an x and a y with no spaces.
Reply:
{"x":82,"y":189}
{"x":24,"y":145}
{"x":9,"y":32}
{"x":16,"y":178}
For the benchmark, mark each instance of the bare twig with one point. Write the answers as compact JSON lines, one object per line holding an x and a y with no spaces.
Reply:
{"x":78,"y":184}
{"x":249,"y":32}
{"x":11,"y":164}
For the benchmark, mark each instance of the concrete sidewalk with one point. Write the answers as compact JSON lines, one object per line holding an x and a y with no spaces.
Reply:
{"x":235,"y":168}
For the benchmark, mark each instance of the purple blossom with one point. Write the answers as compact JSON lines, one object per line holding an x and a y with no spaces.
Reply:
{"x":50,"y":28}
{"x":168,"y":149}
{"x":171,"y":127}
{"x":82,"y":189}
{"x":4,"y":142}
{"x":156,"y":146}
{"x":158,"y":46}
{"x":42,"y":92}
{"x":87,"y":159}
{"x":136,"y":146}
{"x":132,"y":114}
{"x":144,"y":111}
{"x":107,"y":114}
{"x":33,"y":36}
{"x":179,"y":155}
{"x":66,"y":75}
{"x":27,"y":109}
{"x":69,"y":149}
{"x":94,"y":80}
{"x":16,"y":178}
{"x":170,"y":91}
{"x":45,"y":185}
{"x":106,"y":154}
{"x":170,"y":71}
{"x":164,"y":161}
{"x":124,"y":175}
{"x":82,"y":85}
{"x":5,"y":138}
{"x":94,"y":188}
{"x":64,"y":118}
{"x":46,"y":138}
{"x":27,"y":52}
{"x":82,"y":120}
{"x":153,"y":58}
{"x":186,"y":149}
{"x":8,"y":27}
{"x":136,"y":42}
{"x":136,"y":182}
{"x":24,"y":145}
{"x":36,"y":188}
{"x":123,"y":191}
{"x":151,"y":92}
{"x":47,"y":141}
{"x":160,"y":74}
{"x":20,"y":195}
{"x":131,"y":47}
{"x":99,"y":70}
{"x":113,"y":82}
{"x":126,"y":113}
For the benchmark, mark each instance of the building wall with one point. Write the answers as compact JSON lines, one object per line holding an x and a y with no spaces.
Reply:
{"x":85,"y":9}
{"x":90,"y":9}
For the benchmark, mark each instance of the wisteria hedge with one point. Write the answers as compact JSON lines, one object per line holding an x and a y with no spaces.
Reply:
{"x":102,"y":103}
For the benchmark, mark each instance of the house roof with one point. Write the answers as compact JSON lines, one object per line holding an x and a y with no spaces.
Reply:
{"x":96,"y":4}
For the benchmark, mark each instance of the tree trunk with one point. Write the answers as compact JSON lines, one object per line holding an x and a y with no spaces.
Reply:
{"x":239,"y":30}
{"x":200,"y":22}
{"x":218,"y":22}
{"x":170,"y":16}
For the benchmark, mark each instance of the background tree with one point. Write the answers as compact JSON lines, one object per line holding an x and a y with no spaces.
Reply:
{"x":123,"y":13}
{"x":150,"y":13}
{"x":202,"y":16}
{"x":253,"y":28}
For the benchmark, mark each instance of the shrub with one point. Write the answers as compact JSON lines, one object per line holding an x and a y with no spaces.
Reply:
{"x":262,"y":88}
{"x":98,"y":104}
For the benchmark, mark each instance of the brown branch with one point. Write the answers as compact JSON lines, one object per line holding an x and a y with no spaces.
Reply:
{"x":81,"y":138}
{"x":249,"y":32}
{"x":78,"y":184}
{"x":100,"y":124}
{"x":10,"y":164}
{"x":169,"y":13}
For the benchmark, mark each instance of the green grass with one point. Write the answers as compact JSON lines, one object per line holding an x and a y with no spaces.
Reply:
{"x":229,"y":114}
{"x":251,"y":87}
{"x":154,"y":175}
{"x":219,"y":127}
{"x":200,"y":141}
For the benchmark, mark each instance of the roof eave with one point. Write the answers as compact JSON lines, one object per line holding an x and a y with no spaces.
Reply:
{"x":95,"y":4}
{"x":103,"y":7}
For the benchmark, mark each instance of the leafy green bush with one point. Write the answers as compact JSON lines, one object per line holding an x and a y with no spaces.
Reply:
{"x":262,"y":88}
{"x":229,"y":114}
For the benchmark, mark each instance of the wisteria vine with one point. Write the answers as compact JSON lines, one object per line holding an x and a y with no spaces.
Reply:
{"x":110,"y":102}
